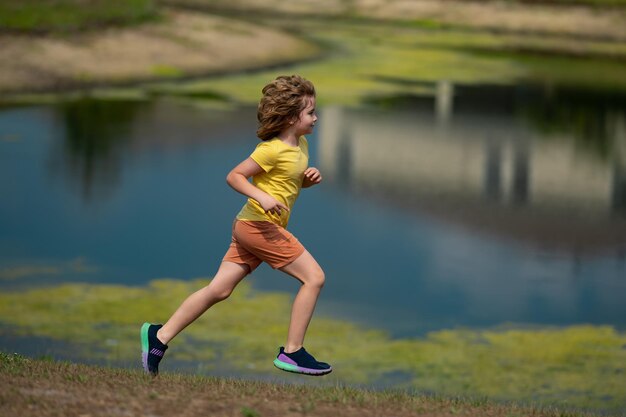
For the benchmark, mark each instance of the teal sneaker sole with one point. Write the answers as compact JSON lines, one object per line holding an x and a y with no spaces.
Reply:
{"x":287,"y":367}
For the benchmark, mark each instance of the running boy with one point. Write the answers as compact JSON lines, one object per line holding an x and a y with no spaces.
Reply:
{"x":279,"y":169}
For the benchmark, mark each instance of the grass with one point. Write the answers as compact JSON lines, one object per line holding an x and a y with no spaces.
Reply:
{"x":70,"y":15}
{"x":577,"y":366}
{"x":359,"y":56}
{"x":348,"y":7}
{"x":166,"y":71}
{"x":48,"y":388}
{"x":620,"y":3}
{"x":363,"y":60}
{"x":598,"y":3}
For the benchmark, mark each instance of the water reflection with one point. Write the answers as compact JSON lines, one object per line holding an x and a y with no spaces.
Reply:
{"x":542,"y":167}
{"x":427,"y":200}
{"x":100,"y":136}
{"x":97,"y":135}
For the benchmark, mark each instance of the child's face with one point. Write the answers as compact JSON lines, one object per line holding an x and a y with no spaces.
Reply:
{"x":306,"y":121}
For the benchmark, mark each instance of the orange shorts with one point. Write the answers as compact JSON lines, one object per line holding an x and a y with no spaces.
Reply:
{"x":254,"y":242}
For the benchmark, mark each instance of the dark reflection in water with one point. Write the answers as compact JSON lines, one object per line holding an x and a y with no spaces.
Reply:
{"x":594,"y":120}
{"x":476,"y":206}
{"x":537,"y":164}
{"x":97,"y":135}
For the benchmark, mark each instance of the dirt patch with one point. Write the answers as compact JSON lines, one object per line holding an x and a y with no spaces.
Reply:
{"x":578,"y":21}
{"x":184,"y":44}
{"x":502,"y":16}
{"x":181,"y":44}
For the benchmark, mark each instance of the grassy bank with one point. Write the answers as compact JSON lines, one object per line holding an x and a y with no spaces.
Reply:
{"x":367,"y":60}
{"x":70,"y":15}
{"x":45,"y":388}
{"x":177,"y":45}
{"x":579,"y":366}
{"x":365,"y":50}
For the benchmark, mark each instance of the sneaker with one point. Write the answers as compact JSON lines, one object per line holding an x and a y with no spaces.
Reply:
{"x":152,"y":350}
{"x":301,"y":362}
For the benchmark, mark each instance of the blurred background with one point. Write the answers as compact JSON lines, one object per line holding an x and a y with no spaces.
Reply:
{"x":471,"y":222}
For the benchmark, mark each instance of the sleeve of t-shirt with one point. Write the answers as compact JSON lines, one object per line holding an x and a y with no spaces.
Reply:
{"x":265,"y":155}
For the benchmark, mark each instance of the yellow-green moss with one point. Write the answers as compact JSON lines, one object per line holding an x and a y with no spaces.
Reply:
{"x":580,"y":366}
{"x":166,"y":71}
{"x":362,"y":58}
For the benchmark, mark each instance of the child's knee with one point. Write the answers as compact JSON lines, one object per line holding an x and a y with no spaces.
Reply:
{"x":215,"y":294}
{"x":318,"y":278}
{"x":222,"y":294}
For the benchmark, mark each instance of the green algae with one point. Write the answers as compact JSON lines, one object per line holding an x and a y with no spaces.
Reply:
{"x":71,"y":15}
{"x":579,"y":366}
{"x":360,"y":57}
{"x":165,"y":71}
{"x":77,"y":265}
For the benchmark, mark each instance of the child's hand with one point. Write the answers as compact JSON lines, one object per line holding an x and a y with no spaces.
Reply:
{"x":312,"y":176}
{"x":271,"y":205}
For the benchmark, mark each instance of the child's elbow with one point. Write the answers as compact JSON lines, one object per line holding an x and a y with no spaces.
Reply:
{"x":231,"y":178}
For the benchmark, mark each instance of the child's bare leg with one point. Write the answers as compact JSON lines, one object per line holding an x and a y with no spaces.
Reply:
{"x":306,"y":269}
{"x":221,"y":286}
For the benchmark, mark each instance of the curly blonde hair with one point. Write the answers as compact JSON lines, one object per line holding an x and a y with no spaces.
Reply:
{"x":283,"y":100}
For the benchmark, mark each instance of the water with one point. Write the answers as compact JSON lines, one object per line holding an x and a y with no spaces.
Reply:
{"x":479,"y":207}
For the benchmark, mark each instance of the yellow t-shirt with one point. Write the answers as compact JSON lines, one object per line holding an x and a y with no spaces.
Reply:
{"x":283,"y":167}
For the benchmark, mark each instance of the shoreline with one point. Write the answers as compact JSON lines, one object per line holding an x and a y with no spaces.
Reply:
{"x":182,"y":47}
{"x":143,"y":85}
{"x":197,"y":40}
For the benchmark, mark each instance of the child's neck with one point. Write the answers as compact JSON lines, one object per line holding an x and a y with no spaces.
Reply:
{"x":289,"y":138}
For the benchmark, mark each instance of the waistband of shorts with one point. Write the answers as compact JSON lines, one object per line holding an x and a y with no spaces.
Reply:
{"x":261,"y":224}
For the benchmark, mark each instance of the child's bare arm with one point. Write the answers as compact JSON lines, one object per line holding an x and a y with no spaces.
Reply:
{"x":237,"y":178}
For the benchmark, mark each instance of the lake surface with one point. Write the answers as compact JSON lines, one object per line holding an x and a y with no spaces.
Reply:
{"x":481,"y":206}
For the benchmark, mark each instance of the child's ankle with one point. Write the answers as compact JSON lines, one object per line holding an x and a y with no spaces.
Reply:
{"x":292,"y":348}
{"x":160,"y":336}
